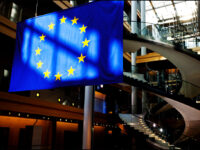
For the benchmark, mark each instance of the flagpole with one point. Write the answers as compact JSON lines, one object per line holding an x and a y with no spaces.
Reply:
{"x":88,"y":118}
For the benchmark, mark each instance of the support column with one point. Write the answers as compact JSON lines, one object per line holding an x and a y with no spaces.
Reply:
{"x":144,"y":101}
{"x":133,"y":56}
{"x":143,"y":49}
{"x":133,"y":100}
{"x":88,"y":129}
{"x":143,"y":24}
{"x":88,"y":118}
{"x":134,"y":16}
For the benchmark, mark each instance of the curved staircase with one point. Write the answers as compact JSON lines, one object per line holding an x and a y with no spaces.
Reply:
{"x":138,"y":124}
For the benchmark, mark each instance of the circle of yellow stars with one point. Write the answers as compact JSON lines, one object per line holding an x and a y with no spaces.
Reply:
{"x":81,"y":58}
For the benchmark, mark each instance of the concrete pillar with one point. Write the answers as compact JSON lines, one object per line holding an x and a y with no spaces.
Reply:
{"x":133,"y":62}
{"x":88,"y":118}
{"x":133,"y":100}
{"x":143,"y":49}
{"x":88,"y":128}
{"x":143,"y":24}
{"x":144,"y":101}
{"x":134,"y":29}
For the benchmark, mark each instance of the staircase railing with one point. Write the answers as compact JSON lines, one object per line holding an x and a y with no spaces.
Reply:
{"x":138,"y":123}
{"x":188,"y":94}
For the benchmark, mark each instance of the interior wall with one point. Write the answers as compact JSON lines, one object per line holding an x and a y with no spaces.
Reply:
{"x":61,"y":128}
{"x":15,"y":123}
{"x":67,"y":134}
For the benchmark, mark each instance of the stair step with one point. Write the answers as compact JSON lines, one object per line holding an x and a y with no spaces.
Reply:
{"x":141,"y":128}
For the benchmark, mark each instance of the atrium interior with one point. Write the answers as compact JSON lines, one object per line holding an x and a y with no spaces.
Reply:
{"x":156,"y":107}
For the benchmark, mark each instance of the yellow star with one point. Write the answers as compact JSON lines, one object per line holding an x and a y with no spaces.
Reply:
{"x":83,"y":28}
{"x":38,"y":51}
{"x":51,"y":26}
{"x":71,"y":71}
{"x":62,"y":20}
{"x":58,"y":76}
{"x":42,"y":37}
{"x":85,"y":43}
{"x":39,"y":64}
{"x":74,"y":21}
{"x":46,"y":74}
{"x":81,"y":58}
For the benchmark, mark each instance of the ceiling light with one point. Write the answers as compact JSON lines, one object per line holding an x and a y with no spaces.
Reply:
{"x":37,"y":94}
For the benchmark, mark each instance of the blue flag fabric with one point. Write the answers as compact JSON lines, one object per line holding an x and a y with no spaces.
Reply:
{"x":77,"y":46}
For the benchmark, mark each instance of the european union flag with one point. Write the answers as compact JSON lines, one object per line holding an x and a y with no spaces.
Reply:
{"x":77,"y":46}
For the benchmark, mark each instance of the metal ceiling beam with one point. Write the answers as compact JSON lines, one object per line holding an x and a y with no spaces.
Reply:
{"x":164,"y":6}
{"x":176,"y":13}
{"x":154,"y":10}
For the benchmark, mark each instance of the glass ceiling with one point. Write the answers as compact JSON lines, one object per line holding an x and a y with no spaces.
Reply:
{"x":170,"y":11}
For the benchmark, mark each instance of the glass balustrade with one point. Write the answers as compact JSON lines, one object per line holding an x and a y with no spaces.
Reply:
{"x":164,"y":34}
{"x":173,"y":86}
{"x":152,"y":31}
{"x":176,"y":86}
